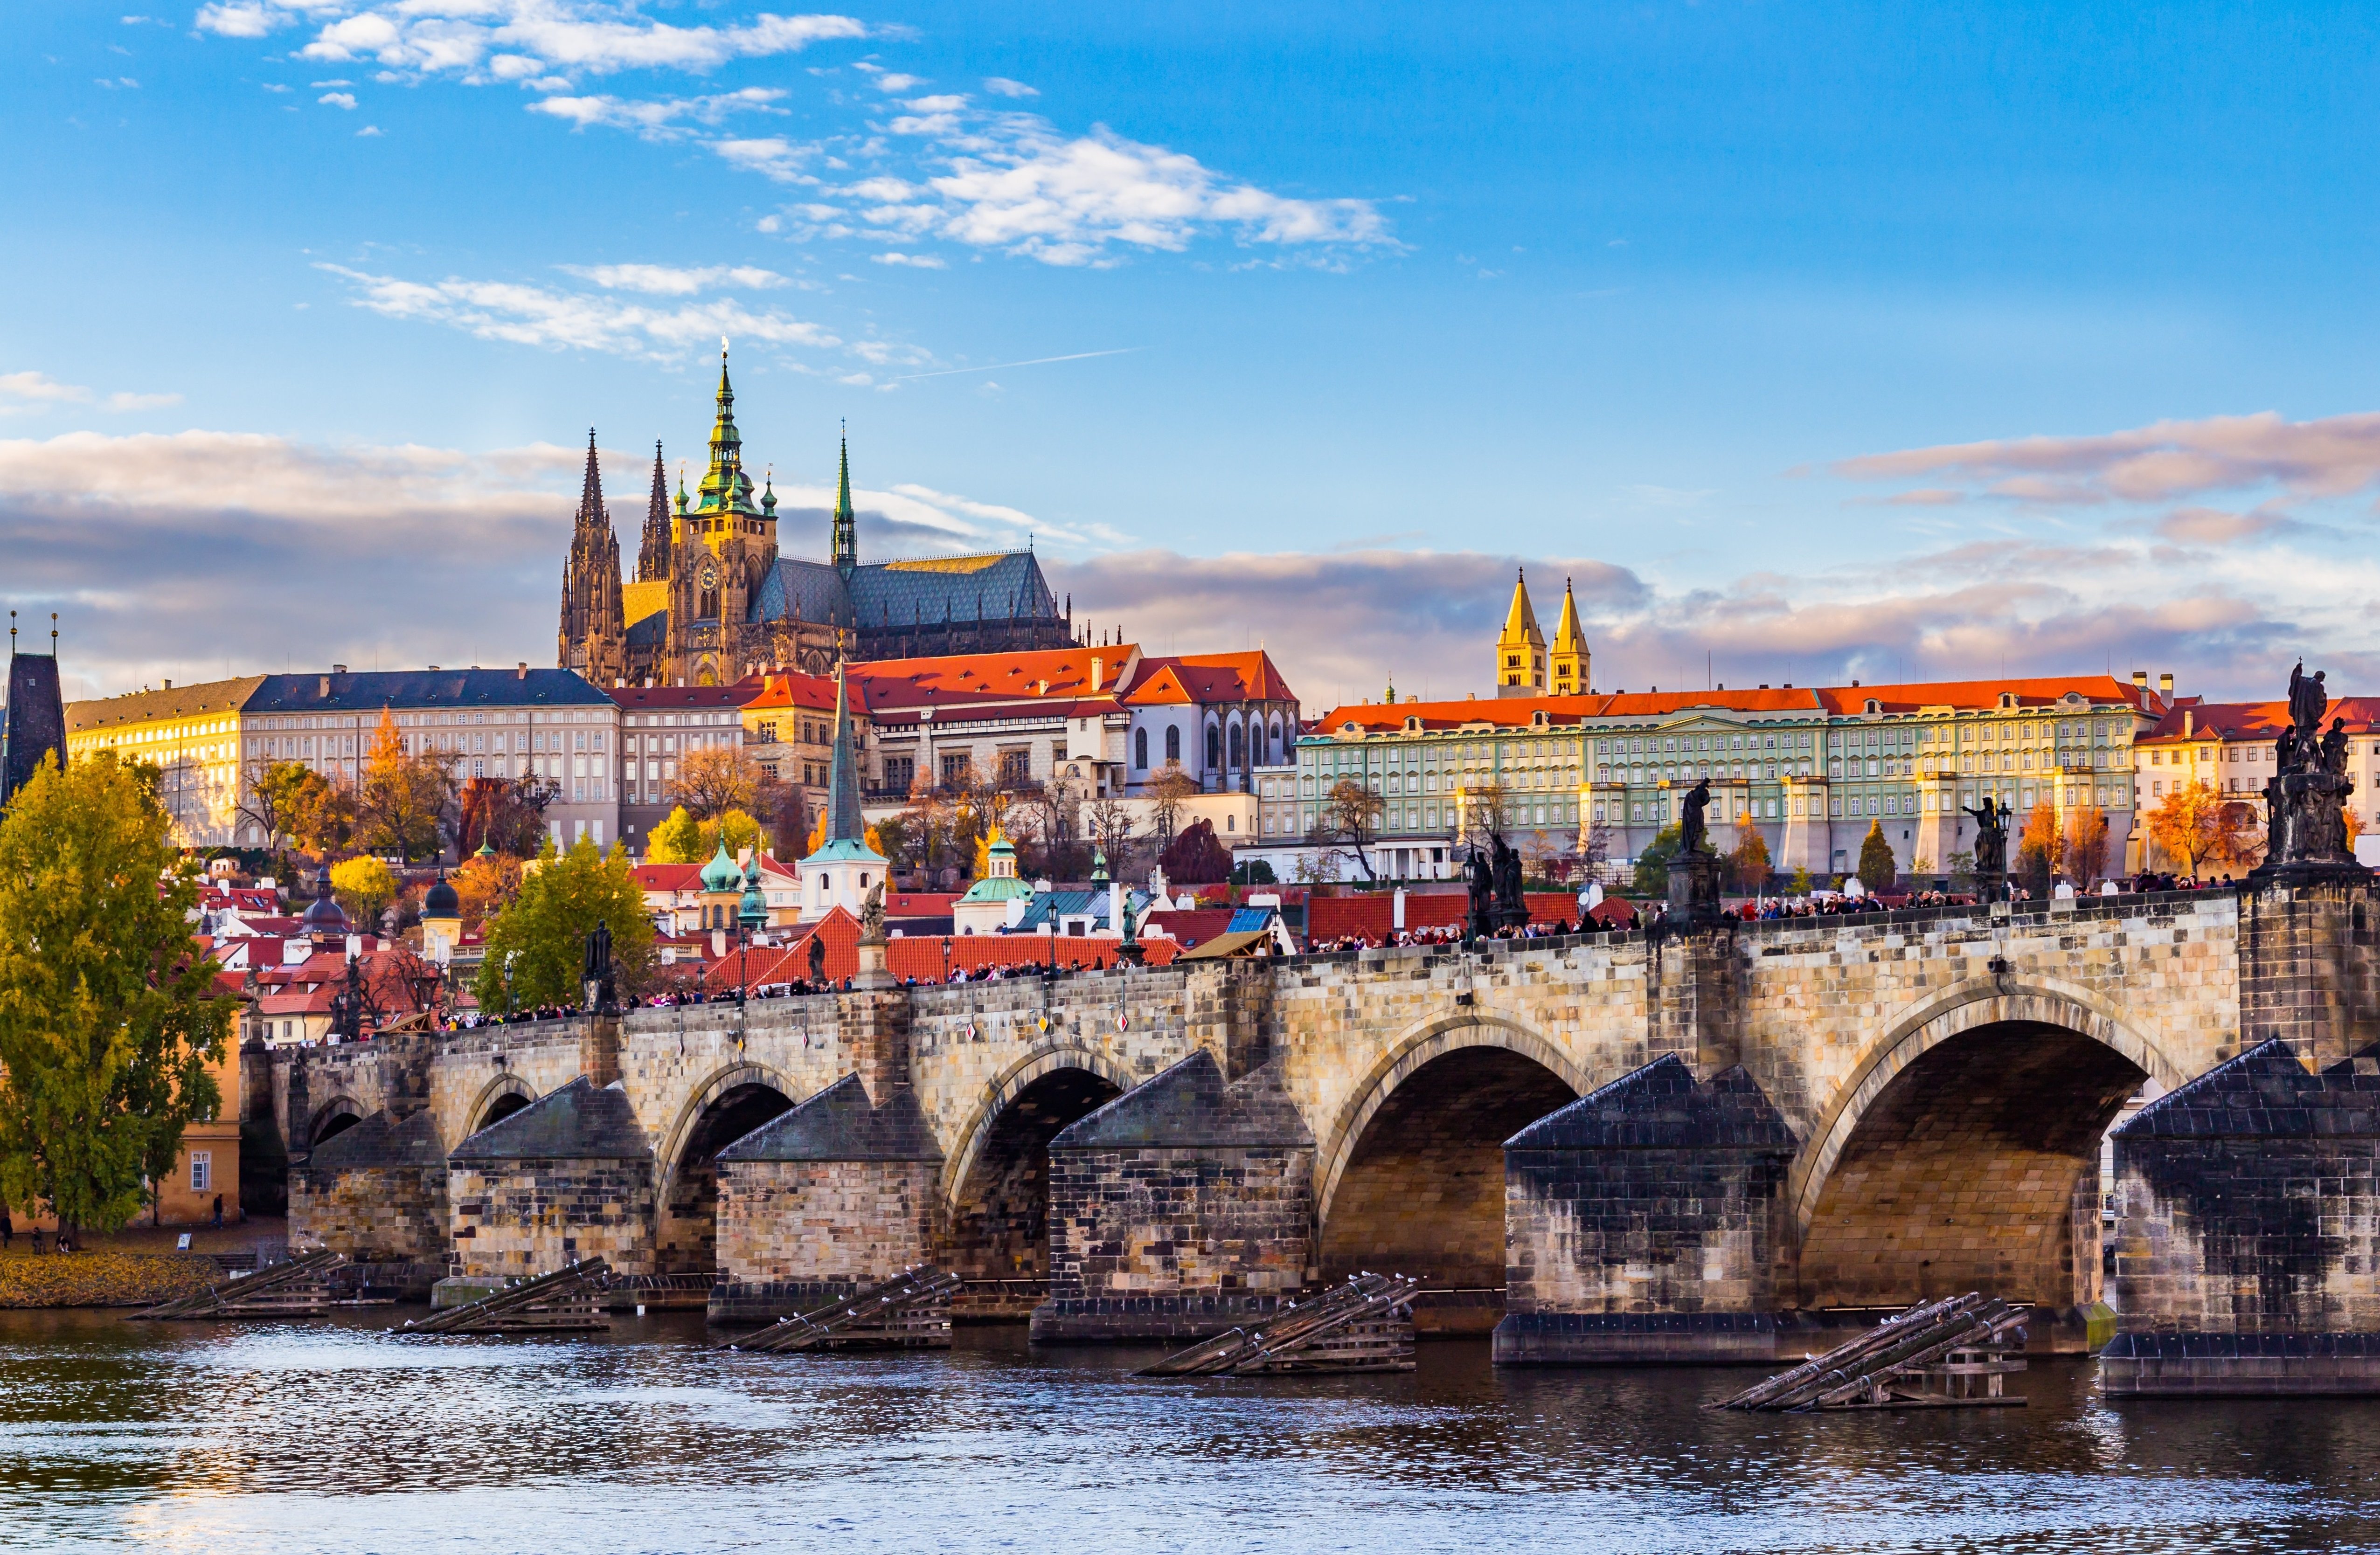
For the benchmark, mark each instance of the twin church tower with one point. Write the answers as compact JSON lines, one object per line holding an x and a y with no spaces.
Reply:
{"x":1526,"y":665}
{"x":713,"y":600}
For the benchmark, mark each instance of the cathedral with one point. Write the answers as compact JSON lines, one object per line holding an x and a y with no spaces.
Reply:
{"x":714,"y":601}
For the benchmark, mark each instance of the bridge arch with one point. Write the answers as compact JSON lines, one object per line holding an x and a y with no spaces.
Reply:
{"x":1961,"y":1149}
{"x":497,"y":1100}
{"x":335,"y":1116}
{"x":729,"y":1102}
{"x":996,"y":1183}
{"x":1411,"y":1176}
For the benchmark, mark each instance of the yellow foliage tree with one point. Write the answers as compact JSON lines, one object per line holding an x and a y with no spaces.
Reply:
{"x":363,"y":886}
{"x":675,"y":839}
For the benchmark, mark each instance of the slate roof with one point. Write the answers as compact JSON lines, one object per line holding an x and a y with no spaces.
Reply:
{"x":932,"y":589}
{"x":1661,"y":1107}
{"x":838,"y":1123}
{"x":369,"y":691}
{"x":2264,"y":1093}
{"x":1189,"y":1105}
{"x":576,"y":1123}
{"x":380,"y":1140}
{"x":1047,"y":905}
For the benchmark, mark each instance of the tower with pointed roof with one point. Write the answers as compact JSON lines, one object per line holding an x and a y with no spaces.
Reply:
{"x":1521,"y":648}
{"x":723,"y":547}
{"x":843,"y":869}
{"x":593,"y":638}
{"x":653,"y":555}
{"x":846,"y":557}
{"x":1566,"y":657}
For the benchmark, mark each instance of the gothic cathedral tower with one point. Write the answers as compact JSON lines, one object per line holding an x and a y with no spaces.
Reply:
{"x":594,"y":635}
{"x":722,"y":548}
{"x":1520,"y":648}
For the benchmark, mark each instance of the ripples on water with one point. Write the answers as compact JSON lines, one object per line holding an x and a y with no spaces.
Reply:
{"x":337,"y":1437}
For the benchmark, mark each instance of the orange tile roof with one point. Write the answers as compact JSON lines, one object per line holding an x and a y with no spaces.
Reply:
{"x":1210,"y":678}
{"x":1518,"y":712}
{"x":962,"y":679}
{"x":2252,"y":720}
{"x":792,"y":688}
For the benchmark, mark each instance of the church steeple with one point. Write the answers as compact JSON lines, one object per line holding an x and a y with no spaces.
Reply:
{"x":593,"y":635}
{"x":1521,"y":648}
{"x":1567,"y":656}
{"x":653,"y":556}
{"x":726,"y":488}
{"x":846,"y":523}
{"x":590,"y":489}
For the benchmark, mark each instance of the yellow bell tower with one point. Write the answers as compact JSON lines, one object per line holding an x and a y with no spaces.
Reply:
{"x":1521,"y":648}
{"x":1568,"y":658}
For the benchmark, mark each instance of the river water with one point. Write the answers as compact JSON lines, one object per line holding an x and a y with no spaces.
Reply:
{"x":337,"y":1437}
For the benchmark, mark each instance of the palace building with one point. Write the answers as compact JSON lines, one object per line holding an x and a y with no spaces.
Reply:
{"x":713,"y":600}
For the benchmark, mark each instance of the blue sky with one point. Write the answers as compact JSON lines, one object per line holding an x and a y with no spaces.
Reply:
{"x":1701,"y":305}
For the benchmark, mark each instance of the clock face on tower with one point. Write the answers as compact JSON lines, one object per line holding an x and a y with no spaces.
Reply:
{"x":709,"y":576}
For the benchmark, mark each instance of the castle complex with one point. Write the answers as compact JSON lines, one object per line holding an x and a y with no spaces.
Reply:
{"x":713,"y":600}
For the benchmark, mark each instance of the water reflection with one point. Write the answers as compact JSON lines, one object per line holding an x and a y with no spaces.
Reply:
{"x":337,"y":1436}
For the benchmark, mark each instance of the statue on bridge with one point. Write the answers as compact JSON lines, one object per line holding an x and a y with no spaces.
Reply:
{"x":596,"y":975}
{"x":1693,"y":830}
{"x":2305,"y":800}
{"x":1991,"y":847}
{"x":871,"y":915}
{"x":1512,"y":906}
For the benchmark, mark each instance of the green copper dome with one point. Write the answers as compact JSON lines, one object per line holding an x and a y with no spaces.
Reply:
{"x":721,"y":874}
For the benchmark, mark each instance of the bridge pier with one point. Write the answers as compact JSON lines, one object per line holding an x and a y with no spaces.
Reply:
{"x":838,"y":1194}
{"x":1645,"y":1223}
{"x":1180,"y":1209}
{"x":569,"y":1177}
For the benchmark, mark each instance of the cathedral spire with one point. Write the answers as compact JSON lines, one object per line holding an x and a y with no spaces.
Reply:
{"x":726,"y":488}
{"x":846,"y":523}
{"x":590,"y":492}
{"x":1521,"y":648}
{"x":1567,"y":654}
{"x":652,"y":556}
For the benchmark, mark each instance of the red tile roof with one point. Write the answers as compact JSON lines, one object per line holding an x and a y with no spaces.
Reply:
{"x":959,"y":679}
{"x":925,"y":957}
{"x":1208,"y":680}
{"x":1518,"y":712}
{"x":792,"y":688}
{"x":1371,"y":913}
{"x":2252,"y":720}
{"x":674,"y":697}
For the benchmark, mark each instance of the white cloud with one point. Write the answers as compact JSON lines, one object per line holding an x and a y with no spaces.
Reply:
{"x":664,"y":119}
{"x":495,"y":41}
{"x":557,"y":321}
{"x":1001,"y":86}
{"x":1014,"y":182}
{"x":335,"y":82}
{"x":773,"y":156}
{"x":918,"y":261}
{"x":368,"y":130}
{"x":25,"y":392}
{"x":672,"y":281}
{"x":339,"y":100}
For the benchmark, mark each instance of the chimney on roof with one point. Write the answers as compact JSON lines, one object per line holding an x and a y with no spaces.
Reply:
{"x":1098,"y":673}
{"x":1764,"y":685}
{"x":2140,"y":678}
{"x":325,"y":689}
{"x":1855,"y":682}
{"x":2165,"y":683}
{"x":2189,"y":720}
{"x":520,"y":669}
{"x":338,"y":669}
{"x":169,"y":685}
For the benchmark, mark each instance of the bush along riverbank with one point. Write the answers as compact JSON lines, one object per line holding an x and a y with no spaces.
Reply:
{"x":102,"y":1278}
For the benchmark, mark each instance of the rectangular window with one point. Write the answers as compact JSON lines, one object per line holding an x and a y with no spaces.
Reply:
{"x":202,"y":1171}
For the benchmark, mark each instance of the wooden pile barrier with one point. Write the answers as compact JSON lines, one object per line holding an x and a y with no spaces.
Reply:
{"x":1938,"y":1354}
{"x":909,"y":1312}
{"x":566,"y":1301}
{"x":299,"y":1288}
{"x":1364,"y":1325}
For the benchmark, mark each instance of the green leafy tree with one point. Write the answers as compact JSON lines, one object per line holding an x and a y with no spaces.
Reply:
{"x":1802,"y":884}
{"x":677,"y":840}
{"x":1652,"y":863}
{"x":537,"y":944}
{"x":1877,"y":869}
{"x":109,"y":1016}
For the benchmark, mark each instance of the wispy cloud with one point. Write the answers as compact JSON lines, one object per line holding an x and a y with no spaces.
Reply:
{"x":672,"y":281}
{"x":556,"y":320}
{"x":339,"y":100}
{"x":671,"y":118}
{"x":2169,"y":461}
{"x":24,"y":393}
{"x":499,"y":40}
{"x":1001,"y":86}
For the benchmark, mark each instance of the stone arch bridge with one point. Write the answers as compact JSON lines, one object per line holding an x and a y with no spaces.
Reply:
{"x":1618,"y":1145}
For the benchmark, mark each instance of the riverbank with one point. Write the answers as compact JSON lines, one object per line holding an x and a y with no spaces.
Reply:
{"x":138,"y":1265}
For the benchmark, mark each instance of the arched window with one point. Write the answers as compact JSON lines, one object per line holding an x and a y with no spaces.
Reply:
{"x":708,"y":609}
{"x":1214,"y":745}
{"x":1140,"y":748}
{"x":1172,"y":742}
{"x":1276,"y":743}
{"x":1237,"y":747}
